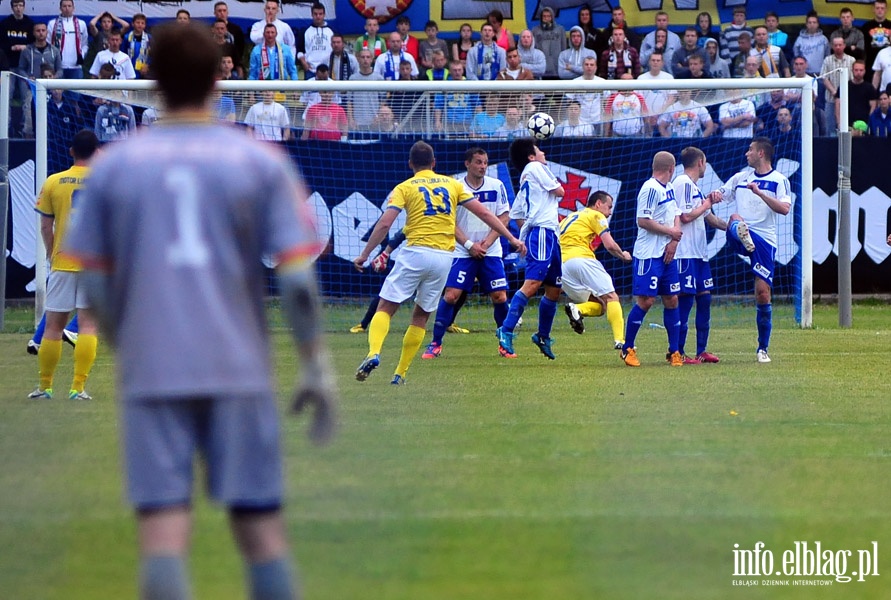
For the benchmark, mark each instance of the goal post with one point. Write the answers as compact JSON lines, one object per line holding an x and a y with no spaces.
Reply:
{"x":350,"y":178}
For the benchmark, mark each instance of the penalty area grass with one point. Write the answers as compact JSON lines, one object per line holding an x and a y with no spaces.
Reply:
{"x":488,"y":478}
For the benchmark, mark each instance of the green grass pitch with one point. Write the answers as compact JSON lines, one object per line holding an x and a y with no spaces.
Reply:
{"x":490,"y":479}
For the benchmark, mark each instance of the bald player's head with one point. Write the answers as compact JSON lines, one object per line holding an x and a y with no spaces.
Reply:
{"x":663,"y":162}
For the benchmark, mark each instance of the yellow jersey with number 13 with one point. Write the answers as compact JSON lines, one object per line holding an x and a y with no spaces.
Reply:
{"x":430,"y":202}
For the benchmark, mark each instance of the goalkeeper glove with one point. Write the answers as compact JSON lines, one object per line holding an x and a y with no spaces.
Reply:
{"x":317,"y":389}
{"x":379,"y":264}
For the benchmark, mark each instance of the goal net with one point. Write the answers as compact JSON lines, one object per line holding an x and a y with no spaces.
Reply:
{"x":351,"y":140}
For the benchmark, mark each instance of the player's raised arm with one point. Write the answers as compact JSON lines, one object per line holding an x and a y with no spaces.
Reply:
{"x":780,"y":205}
{"x":477,"y":208}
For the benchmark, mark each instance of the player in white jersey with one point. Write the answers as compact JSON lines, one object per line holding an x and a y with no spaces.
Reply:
{"x":692,"y":254}
{"x":477,"y":255}
{"x":535,"y":211}
{"x":181,"y":247}
{"x":761,"y":193}
{"x":655,"y":270}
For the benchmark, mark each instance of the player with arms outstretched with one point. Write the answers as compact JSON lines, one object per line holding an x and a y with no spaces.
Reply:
{"x":585,"y":281}
{"x":655,"y":270}
{"x":57,"y":206}
{"x":692,"y":254}
{"x":477,"y":252}
{"x":761,"y":193}
{"x":535,"y":211}
{"x":430,"y":202}
{"x":174,"y":266}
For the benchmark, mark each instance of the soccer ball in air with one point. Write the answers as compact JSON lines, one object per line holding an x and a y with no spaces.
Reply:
{"x":541,"y":126}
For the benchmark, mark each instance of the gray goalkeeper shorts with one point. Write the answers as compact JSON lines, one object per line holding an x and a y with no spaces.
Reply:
{"x":236,"y":437}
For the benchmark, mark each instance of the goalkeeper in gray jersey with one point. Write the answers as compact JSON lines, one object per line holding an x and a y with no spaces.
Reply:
{"x":179,"y":248}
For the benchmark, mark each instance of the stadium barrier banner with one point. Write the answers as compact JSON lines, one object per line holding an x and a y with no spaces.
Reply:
{"x":348,"y":17}
{"x":348,"y":200}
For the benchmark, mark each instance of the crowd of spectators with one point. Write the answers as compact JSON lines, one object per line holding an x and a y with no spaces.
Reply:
{"x":72,"y":47}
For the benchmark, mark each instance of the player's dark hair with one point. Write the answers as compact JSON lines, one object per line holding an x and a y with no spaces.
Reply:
{"x":812,"y":13}
{"x":421,"y":155}
{"x":139,"y":16}
{"x":691,"y":28}
{"x":84,"y":144}
{"x":268,"y":25}
{"x":520,"y":151}
{"x":184,"y":62}
{"x":108,"y":70}
{"x":598,"y":196}
{"x":317,"y":6}
{"x":495,"y":15}
{"x":430,"y":24}
{"x":771,"y":13}
{"x":116,"y":31}
{"x":471,"y":152}
{"x":183,"y":11}
{"x":765,"y":145}
{"x":403,"y":19}
{"x":690,"y":156}
{"x":846,"y":11}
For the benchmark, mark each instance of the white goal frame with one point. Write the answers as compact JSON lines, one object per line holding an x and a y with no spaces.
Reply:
{"x":543,"y":87}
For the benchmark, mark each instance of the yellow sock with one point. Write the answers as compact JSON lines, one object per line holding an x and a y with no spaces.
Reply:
{"x":84,"y":357}
{"x":48,"y":358}
{"x":377,"y":332}
{"x":616,"y":320}
{"x":411,"y":343}
{"x":590,"y":309}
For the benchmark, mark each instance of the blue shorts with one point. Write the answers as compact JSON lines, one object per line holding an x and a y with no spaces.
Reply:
{"x":543,"y":259}
{"x":489,"y":270}
{"x":652,"y":277}
{"x":237,"y":437}
{"x":695,"y":275}
{"x":763,"y":258}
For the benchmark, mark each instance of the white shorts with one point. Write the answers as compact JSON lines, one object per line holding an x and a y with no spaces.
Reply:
{"x":65,"y":292}
{"x":418,"y":270}
{"x":584,"y":277}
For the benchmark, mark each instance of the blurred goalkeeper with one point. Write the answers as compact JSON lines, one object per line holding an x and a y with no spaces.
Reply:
{"x":180,"y":246}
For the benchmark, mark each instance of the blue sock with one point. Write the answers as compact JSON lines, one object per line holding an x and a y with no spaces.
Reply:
{"x":703,"y":321}
{"x":632,"y":325}
{"x":546,"y":312}
{"x":763,"y":319}
{"x":685,"y":305}
{"x":517,"y":306}
{"x":38,"y":332}
{"x":445,"y":314}
{"x":671,"y":318}
{"x":163,"y":578}
{"x":272,"y":580}
{"x":72,"y":324}
{"x":731,"y":230}
{"x":500,"y":309}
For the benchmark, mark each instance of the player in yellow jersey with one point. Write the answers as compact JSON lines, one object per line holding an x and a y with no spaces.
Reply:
{"x":585,"y":281}
{"x":422,"y":267}
{"x":57,"y":204}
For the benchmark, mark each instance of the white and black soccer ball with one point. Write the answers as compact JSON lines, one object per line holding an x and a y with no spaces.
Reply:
{"x":541,"y":126}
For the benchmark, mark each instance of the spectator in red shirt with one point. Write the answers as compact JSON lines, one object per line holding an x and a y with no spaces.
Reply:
{"x":325,"y":120}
